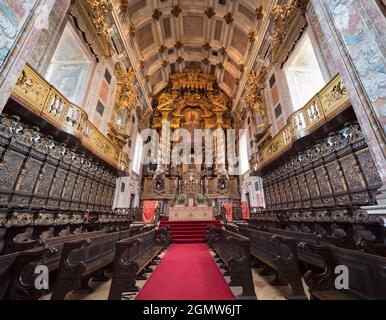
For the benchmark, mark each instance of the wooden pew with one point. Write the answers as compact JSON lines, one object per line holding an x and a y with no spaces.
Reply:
{"x":367,"y":274}
{"x":345,"y":228}
{"x":132,"y":257}
{"x":17,"y":238}
{"x":280,"y":254}
{"x":53,"y":261}
{"x":234,"y":250}
{"x":17,"y":277}
{"x":44,"y":227}
{"x":81,"y":260}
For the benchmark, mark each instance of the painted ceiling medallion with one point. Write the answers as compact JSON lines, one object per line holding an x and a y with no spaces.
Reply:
{"x":124,"y":5}
{"x":252,"y":37}
{"x":228,"y":18}
{"x":176,"y":11}
{"x":207,"y":46}
{"x":210,"y":12}
{"x":162,"y":48}
{"x":223,"y":51}
{"x":132,"y":30}
{"x":179,"y":45}
{"x":157,"y":14}
{"x":260,"y":13}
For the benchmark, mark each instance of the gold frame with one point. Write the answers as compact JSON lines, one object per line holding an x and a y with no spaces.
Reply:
{"x":330,"y":101}
{"x":40,"y":97}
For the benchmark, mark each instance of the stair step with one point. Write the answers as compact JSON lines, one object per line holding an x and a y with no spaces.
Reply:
{"x":189,"y":231}
{"x":180,"y":236}
{"x":189,"y":226}
{"x":189,"y":241}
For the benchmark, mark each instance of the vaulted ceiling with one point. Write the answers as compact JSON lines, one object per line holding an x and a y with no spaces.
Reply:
{"x":220,"y":37}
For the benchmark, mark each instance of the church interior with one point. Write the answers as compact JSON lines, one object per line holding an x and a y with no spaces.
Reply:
{"x":192,"y":150}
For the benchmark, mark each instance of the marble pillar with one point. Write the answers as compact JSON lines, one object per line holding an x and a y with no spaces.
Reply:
{"x":356,"y":31}
{"x":21,"y":24}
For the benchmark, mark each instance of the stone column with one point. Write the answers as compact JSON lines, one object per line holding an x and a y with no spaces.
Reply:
{"x":356,"y":33}
{"x":23,"y":30}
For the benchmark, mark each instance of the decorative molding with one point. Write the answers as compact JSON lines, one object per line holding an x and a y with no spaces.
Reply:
{"x":179,"y":45}
{"x":330,"y":101}
{"x":100,"y":9}
{"x":176,"y":11}
{"x":229,"y":18}
{"x":254,"y":98}
{"x":210,"y":12}
{"x":157,"y":14}
{"x":289,"y":22}
{"x":260,"y":14}
{"x":40,"y":97}
{"x":132,"y":30}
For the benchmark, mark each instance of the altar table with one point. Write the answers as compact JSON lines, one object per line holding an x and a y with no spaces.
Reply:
{"x":191,"y":214}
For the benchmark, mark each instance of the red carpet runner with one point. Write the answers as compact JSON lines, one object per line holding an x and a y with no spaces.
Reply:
{"x":187,"y":272}
{"x":189,"y":231}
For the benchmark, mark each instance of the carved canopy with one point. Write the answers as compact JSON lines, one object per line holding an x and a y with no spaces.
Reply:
{"x":193,"y":96}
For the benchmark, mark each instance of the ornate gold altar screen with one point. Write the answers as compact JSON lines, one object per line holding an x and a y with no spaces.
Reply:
{"x":192,"y":101}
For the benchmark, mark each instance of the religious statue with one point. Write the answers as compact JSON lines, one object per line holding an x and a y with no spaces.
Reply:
{"x":222,"y":181}
{"x":159,"y":180}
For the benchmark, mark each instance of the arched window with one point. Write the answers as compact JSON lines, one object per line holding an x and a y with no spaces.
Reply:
{"x":304,"y":76}
{"x":71,"y":66}
{"x":137,"y":160}
{"x":243,"y":152}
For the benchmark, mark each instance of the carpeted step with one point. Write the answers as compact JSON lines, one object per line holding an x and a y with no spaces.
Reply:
{"x":186,"y":236}
{"x":186,"y":226}
{"x":196,"y":221}
{"x":189,"y":231}
{"x":176,"y":232}
{"x":182,"y":241}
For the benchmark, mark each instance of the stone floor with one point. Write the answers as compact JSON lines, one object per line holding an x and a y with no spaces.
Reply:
{"x":263,"y":289}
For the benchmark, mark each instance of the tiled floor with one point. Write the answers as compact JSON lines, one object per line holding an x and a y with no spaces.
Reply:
{"x":263,"y":289}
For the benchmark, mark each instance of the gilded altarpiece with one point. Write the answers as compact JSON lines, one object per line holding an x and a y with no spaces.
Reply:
{"x":192,"y":101}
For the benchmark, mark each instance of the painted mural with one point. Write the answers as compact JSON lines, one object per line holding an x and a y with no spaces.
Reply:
{"x":366,"y":52}
{"x":13,"y":16}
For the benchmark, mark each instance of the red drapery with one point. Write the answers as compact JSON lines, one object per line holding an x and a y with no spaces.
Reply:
{"x":245,"y":209}
{"x":148,"y":212}
{"x":228,"y":208}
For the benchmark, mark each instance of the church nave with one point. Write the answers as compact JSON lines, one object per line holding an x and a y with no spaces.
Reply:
{"x":192,"y":150}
